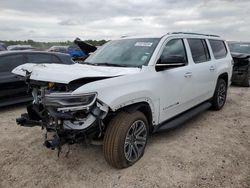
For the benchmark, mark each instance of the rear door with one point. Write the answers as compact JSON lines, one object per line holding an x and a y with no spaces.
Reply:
{"x":10,"y":85}
{"x":221,"y":61}
{"x":203,"y":71}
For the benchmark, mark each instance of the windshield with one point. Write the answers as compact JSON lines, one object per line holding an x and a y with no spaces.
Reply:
{"x":240,"y":47}
{"x":125,"y":52}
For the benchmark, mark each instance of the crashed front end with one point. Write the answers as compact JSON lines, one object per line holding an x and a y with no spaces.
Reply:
{"x":241,"y":68}
{"x":67,"y":118}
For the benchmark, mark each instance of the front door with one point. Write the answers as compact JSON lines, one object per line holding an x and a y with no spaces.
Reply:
{"x":173,"y":83}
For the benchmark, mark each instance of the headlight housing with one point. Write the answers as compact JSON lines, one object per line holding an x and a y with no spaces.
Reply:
{"x":69,"y":99}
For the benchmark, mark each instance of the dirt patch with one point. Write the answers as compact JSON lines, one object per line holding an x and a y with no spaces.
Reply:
{"x":211,"y":150}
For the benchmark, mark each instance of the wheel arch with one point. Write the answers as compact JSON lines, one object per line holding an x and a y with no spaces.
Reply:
{"x":143,"y":107}
{"x":224,"y":76}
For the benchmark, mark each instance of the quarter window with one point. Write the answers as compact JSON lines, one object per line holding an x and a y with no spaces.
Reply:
{"x":175,"y":47}
{"x":218,"y":48}
{"x":199,"y":50}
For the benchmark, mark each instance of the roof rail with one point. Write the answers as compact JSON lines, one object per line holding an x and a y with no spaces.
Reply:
{"x":190,"y":33}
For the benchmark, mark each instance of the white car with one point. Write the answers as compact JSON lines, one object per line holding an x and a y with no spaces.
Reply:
{"x":128,"y":89}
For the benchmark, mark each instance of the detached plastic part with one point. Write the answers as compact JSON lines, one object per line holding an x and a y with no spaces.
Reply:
{"x":25,"y":121}
{"x":53,"y":143}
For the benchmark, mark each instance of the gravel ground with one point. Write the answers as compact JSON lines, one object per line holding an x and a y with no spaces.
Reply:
{"x":211,"y":150}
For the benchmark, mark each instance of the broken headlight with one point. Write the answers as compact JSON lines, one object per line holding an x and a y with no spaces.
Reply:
{"x":68,"y":99}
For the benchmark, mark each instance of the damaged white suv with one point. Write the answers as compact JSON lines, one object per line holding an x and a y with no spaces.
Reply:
{"x":126,"y":90}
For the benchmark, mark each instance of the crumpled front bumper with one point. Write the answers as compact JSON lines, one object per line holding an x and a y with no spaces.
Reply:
{"x":64,"y":126}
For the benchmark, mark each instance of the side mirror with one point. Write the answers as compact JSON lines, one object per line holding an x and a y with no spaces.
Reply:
{"x":166,"y":62}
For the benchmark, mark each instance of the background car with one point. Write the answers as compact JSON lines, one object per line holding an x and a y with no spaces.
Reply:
{"x":20,"y":47}
{"x":14,"y":90}
{"x":73,"y":50}
{"x":61,"y":49}
{"x":241,"y":70}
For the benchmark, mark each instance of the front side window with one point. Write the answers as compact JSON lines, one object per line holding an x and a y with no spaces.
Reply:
{"x":218,"y":48}
{"x":175,"y":48}
{"x":9,"y":62}
{"x":199,"y":50}
{"x":125,"y":52}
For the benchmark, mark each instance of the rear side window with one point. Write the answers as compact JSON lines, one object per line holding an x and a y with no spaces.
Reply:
{"x":219,"y":49}
{"x":199,"y":50}
{"x":9,"y":62}
{"x":39,"y":58}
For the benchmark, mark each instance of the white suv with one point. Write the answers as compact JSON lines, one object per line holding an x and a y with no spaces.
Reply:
{"x":129,"y":88}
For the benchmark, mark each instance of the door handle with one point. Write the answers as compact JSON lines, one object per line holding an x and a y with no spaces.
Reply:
{"x":212,"y":68}
{"x":188,"y":75}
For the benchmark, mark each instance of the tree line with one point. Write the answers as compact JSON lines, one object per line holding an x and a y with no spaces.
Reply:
{"x":46,"y":45}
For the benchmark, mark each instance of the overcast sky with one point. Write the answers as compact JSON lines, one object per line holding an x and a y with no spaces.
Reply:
{"x":60,"y":20}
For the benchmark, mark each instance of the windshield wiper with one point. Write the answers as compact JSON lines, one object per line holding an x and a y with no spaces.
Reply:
{"x":113,"y":65}
{"x":116,"y":65}
{"x":108,"y":64}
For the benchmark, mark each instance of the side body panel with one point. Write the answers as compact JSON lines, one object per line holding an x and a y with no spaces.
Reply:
{"x":167,"y":92}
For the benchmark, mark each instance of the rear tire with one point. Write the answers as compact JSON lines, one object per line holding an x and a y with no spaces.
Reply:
{"x":125,"y":139}
{"x":220,"y":94}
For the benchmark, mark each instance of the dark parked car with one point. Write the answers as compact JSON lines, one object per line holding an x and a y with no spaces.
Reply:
{"x":13,"y":90}
{"x":241,"y":70}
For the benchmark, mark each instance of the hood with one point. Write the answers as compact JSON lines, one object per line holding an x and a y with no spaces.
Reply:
{"x":66,"y":73}
{"x":240,"y":55}
{"x":85,"y":47}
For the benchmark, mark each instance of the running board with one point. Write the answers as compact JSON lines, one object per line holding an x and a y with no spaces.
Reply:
{"x":179,"y":119}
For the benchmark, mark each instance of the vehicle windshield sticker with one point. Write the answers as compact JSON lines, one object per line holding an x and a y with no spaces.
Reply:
{"x":144,"y":44}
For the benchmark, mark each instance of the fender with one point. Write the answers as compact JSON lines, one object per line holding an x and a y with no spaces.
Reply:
{"x":118,"y":92}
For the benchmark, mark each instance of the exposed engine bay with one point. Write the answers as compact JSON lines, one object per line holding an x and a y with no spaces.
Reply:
{"x":66,"y":118}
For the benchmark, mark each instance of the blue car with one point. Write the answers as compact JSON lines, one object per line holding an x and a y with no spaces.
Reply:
{"x":75,"y":51}
{"x":79,"y":50}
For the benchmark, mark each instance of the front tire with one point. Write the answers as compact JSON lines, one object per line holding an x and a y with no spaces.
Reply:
{"x":220,"y":95}
{"x":125,"y":139}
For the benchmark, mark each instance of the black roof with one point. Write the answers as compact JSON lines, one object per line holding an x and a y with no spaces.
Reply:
{"x":30,"y":52}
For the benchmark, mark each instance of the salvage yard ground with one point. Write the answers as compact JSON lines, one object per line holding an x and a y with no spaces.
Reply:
{"x":212,"y":150}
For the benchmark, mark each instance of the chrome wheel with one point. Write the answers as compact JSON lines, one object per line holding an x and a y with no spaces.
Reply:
{"x":135,"y":141}
{"x":222,"y":94}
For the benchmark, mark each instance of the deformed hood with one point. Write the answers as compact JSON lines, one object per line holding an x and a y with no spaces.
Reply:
{"x":240,"y":55}
{"x":85,"y":47}
{"x":66,"y":73}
